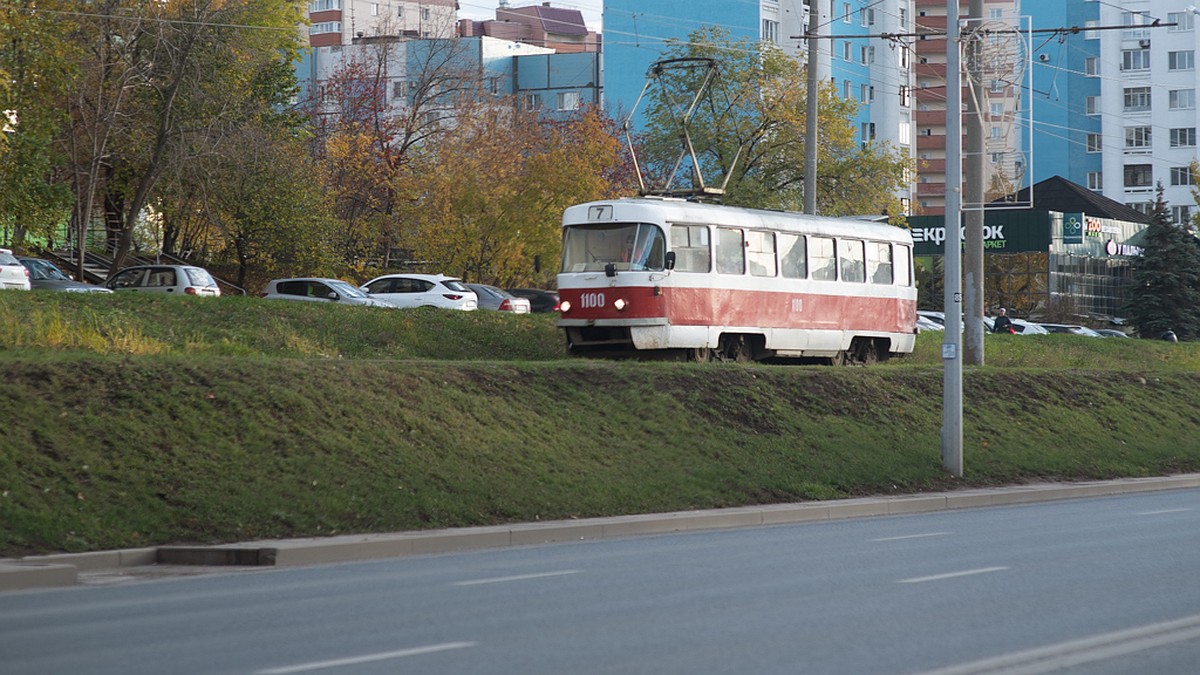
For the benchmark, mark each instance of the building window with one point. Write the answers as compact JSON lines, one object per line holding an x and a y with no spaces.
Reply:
{"x":1135,"y":59}
{"x":846,"y":12}
{"x":1181,"y":214}
{"x":1095,"y":180}
{"x":398,"y":89}
{"x":1094,"y":143}
{"x":847,"y":90}
{"x":905,"y":96}
{"x":1181,"y":175}
{"x":1137,"y":98}
{"x":770,"y":31}
{"x":1138,"y":175}
{"x":846,"y":50}
{"x":996,"y":109}
{"x":1137,"y":137}
{"x":325,"y":27}
{"x":425,"y":14}
{"x":1183,"y":138}
{"x":1182,"y":21}
{"x":1091,"y":66}
{"x":1181,"y":99}
{"x":1091,"y":105}
{"x":324,"y":5}
{"x":904,"y":17}
{"x":1184,"y":60}
{"x":568,"y":100}
{"x":532,"y":102}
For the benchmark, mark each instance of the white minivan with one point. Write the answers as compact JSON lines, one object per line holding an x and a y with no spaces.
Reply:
{"x":175,"y":279}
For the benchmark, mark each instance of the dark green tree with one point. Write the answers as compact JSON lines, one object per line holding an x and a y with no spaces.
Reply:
{"x":1166,"y":282}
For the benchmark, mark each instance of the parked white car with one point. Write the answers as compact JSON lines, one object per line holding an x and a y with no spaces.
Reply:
{"x":316,"y":289}
{"x":174,"y":279}
{"x":422,"y":290}
{"x":13,"y":274}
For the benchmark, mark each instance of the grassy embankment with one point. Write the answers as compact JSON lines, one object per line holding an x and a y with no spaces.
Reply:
{"x":132,"y":421}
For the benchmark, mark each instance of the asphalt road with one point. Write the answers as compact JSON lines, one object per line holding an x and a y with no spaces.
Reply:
{"x":1107,"y":585}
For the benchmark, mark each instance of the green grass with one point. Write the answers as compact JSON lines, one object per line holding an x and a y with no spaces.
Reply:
{"x":132,"y":421}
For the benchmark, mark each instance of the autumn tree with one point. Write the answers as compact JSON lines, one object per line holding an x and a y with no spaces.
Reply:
{"x":195,"y":64}
{"x":389,"y":97}
{"x":486,"y":201}
{"x":750,"y":126}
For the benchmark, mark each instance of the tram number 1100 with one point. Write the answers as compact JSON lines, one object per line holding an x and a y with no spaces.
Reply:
{"x":591,"y":300}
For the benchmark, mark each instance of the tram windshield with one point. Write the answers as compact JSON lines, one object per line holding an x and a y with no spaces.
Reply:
{"x":629,"y":246}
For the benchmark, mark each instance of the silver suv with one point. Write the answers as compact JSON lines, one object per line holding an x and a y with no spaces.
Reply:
{"x":12,"y":273}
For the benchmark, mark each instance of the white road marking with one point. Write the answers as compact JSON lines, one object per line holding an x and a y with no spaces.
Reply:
{"x":913,"y":536}
{"x":1078,"y":652}
{"x":519,"y":577}
{"x":951,"y":575}
{"x":366,"y":658}
{"x":1157,"y":513}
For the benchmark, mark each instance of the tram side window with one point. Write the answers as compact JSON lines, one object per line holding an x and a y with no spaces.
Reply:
{"x":793,"y":256}
{"x":691,"y":247}
{"x":879,"y":262}
{"x":903,"y":266}
{"x":852,"y":260}
{"x":824,"y":262}
{"x":731,"y":251}
{"x":760,"y":253}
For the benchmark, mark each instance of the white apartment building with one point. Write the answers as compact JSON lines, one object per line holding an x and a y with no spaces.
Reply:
{"x":1147,"y":103}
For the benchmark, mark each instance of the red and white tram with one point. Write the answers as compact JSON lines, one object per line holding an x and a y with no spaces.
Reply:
{"x":668,"y":276}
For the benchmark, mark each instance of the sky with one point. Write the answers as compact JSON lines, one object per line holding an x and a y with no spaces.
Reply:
{"x":486,"y":9}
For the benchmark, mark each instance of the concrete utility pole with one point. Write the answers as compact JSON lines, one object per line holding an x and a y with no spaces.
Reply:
{"x":952,"y":416}
{"x":973,"y":195}
{"x":810,"y":122}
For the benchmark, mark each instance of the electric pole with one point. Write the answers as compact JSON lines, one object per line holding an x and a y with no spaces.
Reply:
{"x":810,"y":121}
{"x":952,"y":414}
{"x":973,"y":194}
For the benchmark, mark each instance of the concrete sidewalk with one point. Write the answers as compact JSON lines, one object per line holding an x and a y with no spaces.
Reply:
{"x":65,"y":569}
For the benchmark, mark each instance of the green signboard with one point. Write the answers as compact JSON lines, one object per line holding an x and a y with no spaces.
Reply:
{"x":1003,"y":232}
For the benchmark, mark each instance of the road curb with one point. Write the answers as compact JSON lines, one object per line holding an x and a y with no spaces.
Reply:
{"x":63,"y":569}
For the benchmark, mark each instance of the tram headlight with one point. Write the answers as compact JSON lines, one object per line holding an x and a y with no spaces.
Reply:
{"x":620,"y":304}
{"x":564,"y":306}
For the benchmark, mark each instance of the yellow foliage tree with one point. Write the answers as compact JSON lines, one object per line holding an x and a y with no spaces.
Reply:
{"x":487,"y":200}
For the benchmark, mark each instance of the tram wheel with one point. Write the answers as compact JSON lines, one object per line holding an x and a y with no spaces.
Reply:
{"x":734,"y":348}
{"x":839,"y":359}
{"x":700,"y":355}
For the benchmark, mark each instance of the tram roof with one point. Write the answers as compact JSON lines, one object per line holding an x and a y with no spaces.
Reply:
{"x":680,"y":211}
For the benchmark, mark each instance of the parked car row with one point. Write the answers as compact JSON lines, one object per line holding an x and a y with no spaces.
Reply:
{"x":931,"y":320}
{"x":390,"y":290}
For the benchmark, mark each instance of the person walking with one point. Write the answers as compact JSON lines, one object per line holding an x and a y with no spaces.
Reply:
{"x":1002,"y":324}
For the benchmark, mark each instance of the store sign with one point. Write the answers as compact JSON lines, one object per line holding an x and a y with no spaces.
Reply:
{"x":1129,"y":250}
{"x":1072,"y":228}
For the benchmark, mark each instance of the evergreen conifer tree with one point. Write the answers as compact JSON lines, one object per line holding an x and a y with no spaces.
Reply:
{"x":1165,"y":294}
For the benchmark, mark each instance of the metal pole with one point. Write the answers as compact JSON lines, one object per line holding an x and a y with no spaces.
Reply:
{"x":810,"y":122}
{"x":952,"y":303}
{"x":973,"y":195}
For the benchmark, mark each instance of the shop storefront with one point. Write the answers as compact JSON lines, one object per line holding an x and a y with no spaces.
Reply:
{"x":1038,"y":263}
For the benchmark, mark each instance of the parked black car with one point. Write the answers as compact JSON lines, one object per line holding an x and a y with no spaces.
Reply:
{"x":45,"y":276}
{"x":541,"y":300}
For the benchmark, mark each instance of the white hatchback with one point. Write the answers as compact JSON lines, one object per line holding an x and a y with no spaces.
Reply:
{"x":13,"y":274}
{"x":319,"y":290}
{"x":174,"y":279}
{"x":422,"y":290}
